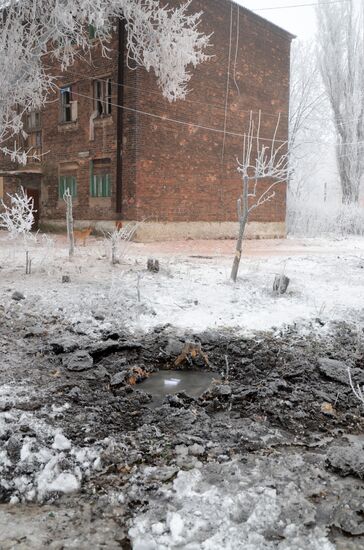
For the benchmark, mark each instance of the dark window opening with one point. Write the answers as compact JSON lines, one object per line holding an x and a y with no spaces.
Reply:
{"x":103,"y":97}
{"x":68,"y":106}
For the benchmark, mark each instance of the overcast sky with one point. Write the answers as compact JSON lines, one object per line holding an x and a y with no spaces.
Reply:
{"x":299,"y":21}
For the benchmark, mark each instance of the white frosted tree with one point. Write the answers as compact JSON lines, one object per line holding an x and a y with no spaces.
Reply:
{"x":18,"y":220}
{"x":341,"y":61}
{"x":164,"y":40}
{"x":263,"y":166}
{"x":308,"y":106}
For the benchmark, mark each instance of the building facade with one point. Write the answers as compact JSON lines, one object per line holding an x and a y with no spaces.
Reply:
{"x":128,"y":154}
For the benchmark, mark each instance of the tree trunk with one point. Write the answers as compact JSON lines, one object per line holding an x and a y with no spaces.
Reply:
{"x":69,"y":218}
{"x":243,"y":213}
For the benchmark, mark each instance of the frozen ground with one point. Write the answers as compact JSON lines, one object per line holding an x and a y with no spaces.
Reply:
{"x":269,"y":457}
{"x":192,"y":289}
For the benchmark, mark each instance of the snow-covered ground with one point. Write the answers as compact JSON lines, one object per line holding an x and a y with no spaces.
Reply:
{"x":193,"y":289}
{"x":252,"y":483}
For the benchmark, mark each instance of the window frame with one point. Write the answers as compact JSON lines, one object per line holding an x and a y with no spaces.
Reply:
{"x":100,"y":183}
{"x":102,"y":96}
{"x":66,"y":106}
{"x":62,"y":183}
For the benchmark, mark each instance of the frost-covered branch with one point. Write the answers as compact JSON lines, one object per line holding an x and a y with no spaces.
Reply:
{"x":18,"y":218}
{"x":357,"y":390}
{"x":164,"y":40}
{"x":340,"y":53}
{"x":121,"y":234}
{"x":260,"y":162}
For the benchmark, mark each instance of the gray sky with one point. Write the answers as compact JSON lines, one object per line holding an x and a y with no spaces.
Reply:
{"x":299,"y":21}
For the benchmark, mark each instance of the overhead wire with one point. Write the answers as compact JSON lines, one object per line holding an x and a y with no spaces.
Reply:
{"x":287,"y":6}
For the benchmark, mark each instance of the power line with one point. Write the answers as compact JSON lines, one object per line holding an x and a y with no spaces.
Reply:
{"x":301,"y":5}
{"x":181,"y":122}
{"x":140,"y":90}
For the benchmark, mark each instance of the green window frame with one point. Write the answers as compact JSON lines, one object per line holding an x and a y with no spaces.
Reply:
{"x":67,"y":182}
{"x":100,"y":184}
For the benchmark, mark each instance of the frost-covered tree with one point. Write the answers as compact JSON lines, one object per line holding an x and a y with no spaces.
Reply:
{"x":263,"y":166}
{"x":18,"y":220}
{"x":308,"y":105}
{"x":341,"y":61}
{"x":164,"y":40}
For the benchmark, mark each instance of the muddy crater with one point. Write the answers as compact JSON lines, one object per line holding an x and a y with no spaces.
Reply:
{"x":165,"y":383}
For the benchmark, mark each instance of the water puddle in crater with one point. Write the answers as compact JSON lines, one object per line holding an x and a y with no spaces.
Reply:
{"x":169,"y":382}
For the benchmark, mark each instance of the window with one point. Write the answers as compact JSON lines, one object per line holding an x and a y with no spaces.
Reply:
{"x":68,"y":107}
{"x":103,"y":96}
{"x":34,"y":140}
{"x":67,"y":182}
{"x":32,"y":121}
{"x":100,"y":178}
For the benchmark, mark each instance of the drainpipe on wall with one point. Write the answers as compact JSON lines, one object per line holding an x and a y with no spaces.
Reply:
{"x":92,"y":126}
{"x":119,"y":120}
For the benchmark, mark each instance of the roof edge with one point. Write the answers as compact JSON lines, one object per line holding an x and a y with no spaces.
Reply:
{"x":262,"y":19}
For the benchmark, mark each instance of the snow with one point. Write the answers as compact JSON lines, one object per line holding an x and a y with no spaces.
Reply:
{"x":193,"y":290}
{"x":65,"y":483}
{"x":61,"y":443}
{"x":231,"y":509}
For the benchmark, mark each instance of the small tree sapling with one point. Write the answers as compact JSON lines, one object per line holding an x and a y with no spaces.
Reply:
{"x":18,"y":220}
{"x":67,"y":197}
{"x":259,"y":162}
{"x":120,"y":235}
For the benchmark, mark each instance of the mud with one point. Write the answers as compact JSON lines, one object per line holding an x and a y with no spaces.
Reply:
{"x":278,"y":405}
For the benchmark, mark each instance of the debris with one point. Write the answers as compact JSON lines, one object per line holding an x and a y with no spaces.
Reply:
{"x":78,"y":361}
{"x":190,"y":352}
{"x":280,"y":284}
{"x":153,"y":265}
{"x":347,"y":460}
{"x":327,"y":409}
{"x":337,"y":370}
{"x":66,"y":279}
{"x":17,"y":296}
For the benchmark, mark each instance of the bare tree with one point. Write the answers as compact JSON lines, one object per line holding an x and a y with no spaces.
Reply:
{"x":18,"y":220}
{"x":120,"y":235}
{"x":260,"y":163}
{"x":341,"y":53}
{"x":308,"y":105}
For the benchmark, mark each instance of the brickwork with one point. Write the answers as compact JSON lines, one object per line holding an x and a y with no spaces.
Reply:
{"x":163,"y":170}
{"x":188,"y":173}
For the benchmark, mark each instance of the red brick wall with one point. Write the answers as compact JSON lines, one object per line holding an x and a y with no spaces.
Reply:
{"x":172,"y":171}
{"x":71,"y":141}
{"x":185,"y":173}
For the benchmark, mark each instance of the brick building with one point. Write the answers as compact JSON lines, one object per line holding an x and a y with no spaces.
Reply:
{"x":126,"y":153}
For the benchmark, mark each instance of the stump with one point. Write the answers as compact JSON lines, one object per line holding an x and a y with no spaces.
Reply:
{"x":153,"y":265}
{"x":280,"y":284}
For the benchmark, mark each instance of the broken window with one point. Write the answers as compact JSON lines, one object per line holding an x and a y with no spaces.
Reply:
{"x":103,"y":96}
{"x":100,"y":178}
{"x":68,"y":106}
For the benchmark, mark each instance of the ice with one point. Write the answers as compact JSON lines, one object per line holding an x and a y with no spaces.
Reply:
{"x":64,"y":483}
{"x":61,"y":443}
{"x":175,"y":524}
